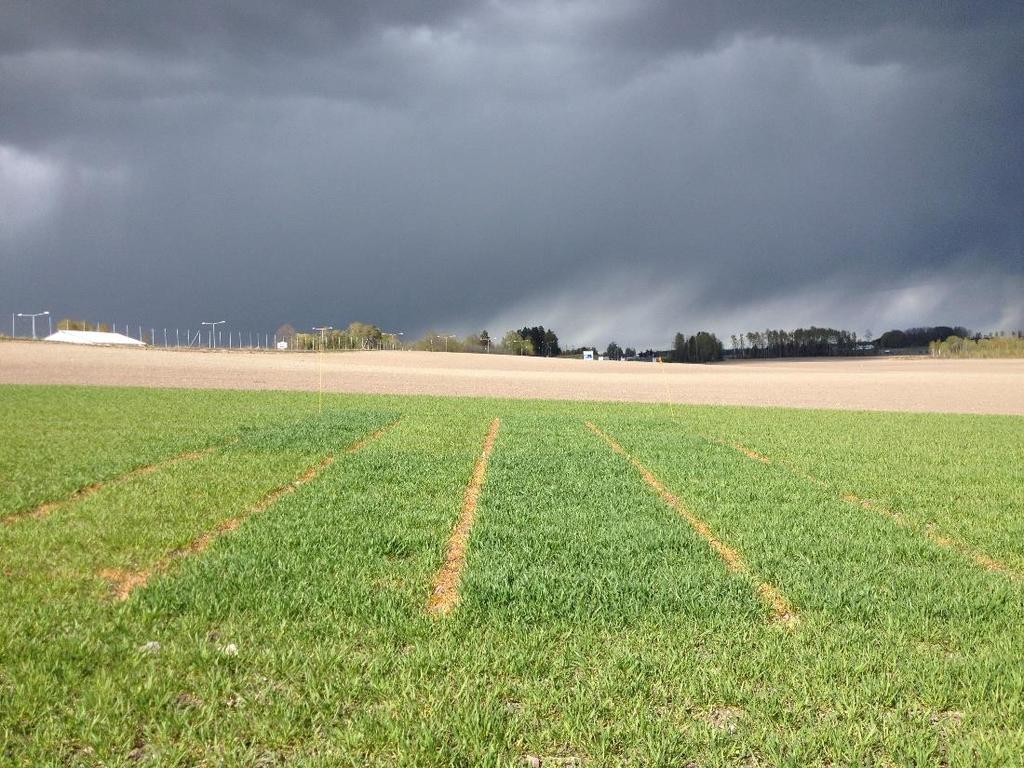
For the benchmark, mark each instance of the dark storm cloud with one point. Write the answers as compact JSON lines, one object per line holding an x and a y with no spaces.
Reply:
{"x":610,"y":169}
{"x":700,"y":24}
{"x":246,"y":27}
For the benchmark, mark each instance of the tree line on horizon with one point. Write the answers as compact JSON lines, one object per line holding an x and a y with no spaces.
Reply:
{"x":529,"y":340}
{"x":532,"y":341}
{"x":356,"y":335}
{"x":801,"y":342}
{"x":701,"y":347}
{"x":989,"y":347}
{"x":830,"y":342}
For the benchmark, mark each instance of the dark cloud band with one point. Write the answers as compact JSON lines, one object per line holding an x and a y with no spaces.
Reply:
{"x":676,"y":165}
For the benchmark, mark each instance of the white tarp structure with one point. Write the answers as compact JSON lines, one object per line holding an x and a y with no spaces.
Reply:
{"x":93,"y":337}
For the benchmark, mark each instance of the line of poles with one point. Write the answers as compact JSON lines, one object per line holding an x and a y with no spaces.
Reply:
{"x":211,"y":335}
{"x":33,"y":316}
{"x":165,"y":337}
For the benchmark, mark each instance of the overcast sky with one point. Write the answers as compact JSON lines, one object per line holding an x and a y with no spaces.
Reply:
{"x":610,"y":169}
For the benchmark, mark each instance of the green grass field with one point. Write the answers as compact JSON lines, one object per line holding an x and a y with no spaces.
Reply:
{"x":279,"y":609}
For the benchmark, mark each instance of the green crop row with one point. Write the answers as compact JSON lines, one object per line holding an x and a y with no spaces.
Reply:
{"x":962,"y":474}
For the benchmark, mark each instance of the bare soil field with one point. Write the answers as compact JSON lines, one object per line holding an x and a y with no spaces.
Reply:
{"x":884,"y":384}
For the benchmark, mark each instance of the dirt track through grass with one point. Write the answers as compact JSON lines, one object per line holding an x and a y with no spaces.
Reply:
{"x":445,"y":593}
{"x":123,"y":583}
{"x":981,"y":559}
{"x":375,"y":435}
{"x":780,"y":607}
{"x":47,"y":508}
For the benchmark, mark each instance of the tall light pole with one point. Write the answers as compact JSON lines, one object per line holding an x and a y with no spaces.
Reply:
{"x":320,"y":366}
{"x":34,"y":315}
{"x":396,"y":334}
{"x":213,"y":328}
{"x":446,"y":337}
{"x":323,"y":333}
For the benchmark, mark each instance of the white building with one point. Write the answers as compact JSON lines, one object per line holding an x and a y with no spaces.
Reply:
{"x":94,"y":337}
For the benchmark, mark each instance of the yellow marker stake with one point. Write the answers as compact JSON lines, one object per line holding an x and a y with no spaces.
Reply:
{"x":320,"y":366}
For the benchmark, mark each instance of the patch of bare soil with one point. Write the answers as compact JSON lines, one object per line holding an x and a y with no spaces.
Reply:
{"x":549,"y":761}
{"x":724,"y":718}
{"x":881,"y":384}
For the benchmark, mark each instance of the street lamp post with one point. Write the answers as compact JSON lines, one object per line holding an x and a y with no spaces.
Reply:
{"x":446,"y":337}
{"x":395,"y":334}
{"x":213,"y":328}
{"x":323,"y":333}
{"x":34,"y":315}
